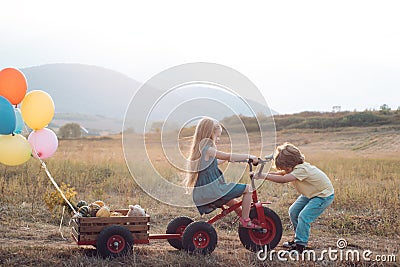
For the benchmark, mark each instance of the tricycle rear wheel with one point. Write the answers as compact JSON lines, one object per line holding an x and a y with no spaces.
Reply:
{"x":177,"y":226}
{"x":199,"y":237}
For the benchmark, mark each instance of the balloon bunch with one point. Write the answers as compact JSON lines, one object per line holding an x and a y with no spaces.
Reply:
{"x":37,"y":110}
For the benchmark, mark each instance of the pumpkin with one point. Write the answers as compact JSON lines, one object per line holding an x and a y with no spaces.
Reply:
{"x":99,"y":202}
{"x":115,"y":214}
{"x":103,"y":212}
{"x":84,"y":210}
{"x":93,"y":209}
{"x":81,"y":204}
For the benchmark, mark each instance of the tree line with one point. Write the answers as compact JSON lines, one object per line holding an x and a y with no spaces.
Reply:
{"x":323,"y":120}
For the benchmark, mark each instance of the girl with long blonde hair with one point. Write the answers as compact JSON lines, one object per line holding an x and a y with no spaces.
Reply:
{"x":207,"y":181}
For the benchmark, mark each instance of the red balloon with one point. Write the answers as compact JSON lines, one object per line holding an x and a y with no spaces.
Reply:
{"x":13,"y":85}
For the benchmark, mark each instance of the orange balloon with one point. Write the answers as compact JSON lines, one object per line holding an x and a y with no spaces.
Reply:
{"x":13,"y":85}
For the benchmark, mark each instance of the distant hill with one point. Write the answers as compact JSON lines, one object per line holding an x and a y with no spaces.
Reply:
{"x":84,"y":89}
{"x":97,"y":98}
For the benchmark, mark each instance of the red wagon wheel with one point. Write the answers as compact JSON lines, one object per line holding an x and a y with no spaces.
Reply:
{"x":116,"y":244}
{"x":114,"y":241}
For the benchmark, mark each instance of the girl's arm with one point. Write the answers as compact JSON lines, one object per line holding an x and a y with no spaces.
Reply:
{"x":276,"y":178}
{"x":221,"y":161}
{"x":212,"y":152}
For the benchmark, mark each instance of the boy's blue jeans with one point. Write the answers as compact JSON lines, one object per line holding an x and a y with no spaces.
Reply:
{"x":303,"y":212}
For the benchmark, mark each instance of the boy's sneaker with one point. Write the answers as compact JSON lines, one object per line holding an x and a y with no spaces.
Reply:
{"x":300,"y":248}
{"x":289,"y":244}
{"x":297,"y":248}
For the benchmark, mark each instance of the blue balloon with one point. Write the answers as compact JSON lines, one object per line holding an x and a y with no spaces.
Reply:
{"x":7,"y":117}
{"x":19,"y":122}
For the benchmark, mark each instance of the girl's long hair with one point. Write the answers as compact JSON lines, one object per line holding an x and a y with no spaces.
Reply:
{"x":203,"y":136}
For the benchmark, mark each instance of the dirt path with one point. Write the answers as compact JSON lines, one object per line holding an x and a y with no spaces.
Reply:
{"x":34,"y":244}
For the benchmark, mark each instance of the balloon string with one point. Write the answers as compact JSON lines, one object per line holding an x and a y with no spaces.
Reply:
{"x":62,"y":218}
{"x":52,"y":180}
{"x":56,"y":185}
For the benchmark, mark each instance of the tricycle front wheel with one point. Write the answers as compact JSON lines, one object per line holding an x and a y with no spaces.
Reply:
{"x":256,"y":240}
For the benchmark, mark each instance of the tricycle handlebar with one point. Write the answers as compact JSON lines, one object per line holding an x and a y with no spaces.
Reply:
{"x":260,"y":160}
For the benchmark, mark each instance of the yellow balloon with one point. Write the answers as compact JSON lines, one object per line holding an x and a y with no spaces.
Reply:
{"x":37,"y":109}
{"x":14,"y":150}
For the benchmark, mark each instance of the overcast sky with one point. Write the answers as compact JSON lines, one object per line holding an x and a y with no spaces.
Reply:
{"x":302,"y":55}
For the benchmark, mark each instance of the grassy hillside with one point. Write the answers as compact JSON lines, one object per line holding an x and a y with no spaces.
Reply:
{"x":319,"y":120}
{"x":323,"y":120}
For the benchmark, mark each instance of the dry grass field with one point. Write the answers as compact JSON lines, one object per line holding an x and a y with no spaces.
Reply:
{"x":363,"y":165}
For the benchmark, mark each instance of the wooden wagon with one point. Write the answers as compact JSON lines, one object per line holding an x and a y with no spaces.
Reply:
{"x":112,"y":236}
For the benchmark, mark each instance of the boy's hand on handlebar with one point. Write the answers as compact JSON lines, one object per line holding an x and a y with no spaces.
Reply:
{"x":278,"y":173}
{"x":258,"y":176}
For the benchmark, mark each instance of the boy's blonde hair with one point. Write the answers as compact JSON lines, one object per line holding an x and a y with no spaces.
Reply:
{"x":287,"y":156}
{"x":203,"y":136}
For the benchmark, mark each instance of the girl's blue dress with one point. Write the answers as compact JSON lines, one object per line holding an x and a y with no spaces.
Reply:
{"x":211,"y":191}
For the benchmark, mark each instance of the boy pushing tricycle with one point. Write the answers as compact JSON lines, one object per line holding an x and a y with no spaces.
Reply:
{"x":316,"y":191}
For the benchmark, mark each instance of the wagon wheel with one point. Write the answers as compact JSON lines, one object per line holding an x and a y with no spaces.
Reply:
{"x":177,"y":226}
{"x":254,"y":240}
{"x":199,"y":237}
{"x":114,"y":241}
